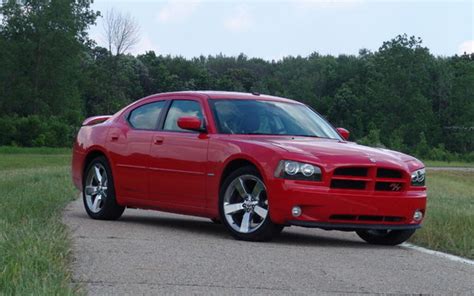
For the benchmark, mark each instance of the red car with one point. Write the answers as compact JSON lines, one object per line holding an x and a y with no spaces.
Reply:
{"x":256,"y":163}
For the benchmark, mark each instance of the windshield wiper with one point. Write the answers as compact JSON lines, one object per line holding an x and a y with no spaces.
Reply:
{"x":313,"y":136}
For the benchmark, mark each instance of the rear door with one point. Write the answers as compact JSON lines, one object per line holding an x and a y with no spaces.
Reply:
{"x":129,"y":144}
{"x":179,"y":158}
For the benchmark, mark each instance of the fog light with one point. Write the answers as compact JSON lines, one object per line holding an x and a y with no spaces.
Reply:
{"x":418,"y":215}
{"x":296,"y":211}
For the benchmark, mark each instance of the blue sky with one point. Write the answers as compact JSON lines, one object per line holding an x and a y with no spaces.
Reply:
{"x":274,"y":29}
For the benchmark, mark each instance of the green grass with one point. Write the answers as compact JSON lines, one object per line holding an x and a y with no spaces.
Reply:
{"x":449,"y":223}
{"x":437,"y":163}
{"x":34,"y":150}
{"x":21,"y":158}
{"x":34,"y":244}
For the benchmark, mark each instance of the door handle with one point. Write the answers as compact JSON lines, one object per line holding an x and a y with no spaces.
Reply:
{"x":114,"y":137}
{"x":158,"y":140}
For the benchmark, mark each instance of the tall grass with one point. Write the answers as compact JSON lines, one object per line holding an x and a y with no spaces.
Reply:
{"x":34,"y":245}
{"x":449,"y":223}
{"x":33,"y":150}
{"x":437,"y":163}
{"x":12,"y":158}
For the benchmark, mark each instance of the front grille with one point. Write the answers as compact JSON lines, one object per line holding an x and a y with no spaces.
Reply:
{"x":351,"y":171}
{"x":343,"y":217}
{"x":388,"y":186}
{"x":393,"y":219}
{"x":367,"y":218}
{"x":348,"y":184}
{"x":388,"y":173}
{"x":368,"y":178}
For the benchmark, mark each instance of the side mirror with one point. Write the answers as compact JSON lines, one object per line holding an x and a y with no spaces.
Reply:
{"x":191,"y":123}
{"x":343,"y":132}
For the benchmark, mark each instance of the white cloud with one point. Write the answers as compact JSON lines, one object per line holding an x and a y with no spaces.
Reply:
{"x":466,"y":47}
{"x":177,"y":11}
{"x":317,"y":4}
{"x":240,"y":21}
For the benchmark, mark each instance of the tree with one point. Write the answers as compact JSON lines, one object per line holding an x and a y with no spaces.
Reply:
{"x":52,"y":75}
{"x":121,"y":32}
{"x":42,"y":43}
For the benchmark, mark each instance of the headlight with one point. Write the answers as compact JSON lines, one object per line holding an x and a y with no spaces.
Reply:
{"x":418,"y":178}
{"x":294,"y":170}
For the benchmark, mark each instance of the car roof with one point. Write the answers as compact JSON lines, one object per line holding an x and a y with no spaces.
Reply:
{"x":211,"y":94}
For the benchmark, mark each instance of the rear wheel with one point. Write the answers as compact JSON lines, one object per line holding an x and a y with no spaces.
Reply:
{"x":98,"y":191}
{"x":385,"y":237}
{"x":243,"y":206}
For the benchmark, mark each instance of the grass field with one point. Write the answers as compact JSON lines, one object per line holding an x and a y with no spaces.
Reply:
{"x":34,"y":245}
{"x":449,"y":224}
{"x":437,"y":163}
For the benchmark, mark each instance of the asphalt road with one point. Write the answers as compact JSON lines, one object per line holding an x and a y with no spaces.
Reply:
{"x":148,"y":252}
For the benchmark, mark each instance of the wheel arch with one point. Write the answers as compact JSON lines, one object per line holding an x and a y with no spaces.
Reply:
{"x":237,"y":163}
{"x":91,"y":155}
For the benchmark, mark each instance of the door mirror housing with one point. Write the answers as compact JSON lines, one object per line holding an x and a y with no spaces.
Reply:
{"x":191,"y":123}
{"x":343,"y":132}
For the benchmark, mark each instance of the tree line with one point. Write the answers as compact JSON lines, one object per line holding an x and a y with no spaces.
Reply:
{"x":401,"y":96}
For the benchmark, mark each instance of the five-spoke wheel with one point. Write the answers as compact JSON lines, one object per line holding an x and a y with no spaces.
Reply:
{"x":246,"y":203}
{"x":96,"y":188}
{"x":244,"y":206}
{"x":98,"y":191}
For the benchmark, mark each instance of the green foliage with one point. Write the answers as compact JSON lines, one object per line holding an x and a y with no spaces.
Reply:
{"x":422,"y":148}
{"x":41,"y":44}
{"x":372,"y":139}
{"x":36,"y":131}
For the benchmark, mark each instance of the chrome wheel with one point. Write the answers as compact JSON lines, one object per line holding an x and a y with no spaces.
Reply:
{"x":95,"y":190}
{"x":245,"y":204}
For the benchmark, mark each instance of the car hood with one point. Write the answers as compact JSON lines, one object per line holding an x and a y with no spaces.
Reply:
{"x":340,"y":152}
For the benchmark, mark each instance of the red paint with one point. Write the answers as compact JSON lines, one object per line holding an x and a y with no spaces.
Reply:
{"x":343,"y":132}
{"x":189,"y":123}
{"x":181,"y":171}
{"x":96,"y":119}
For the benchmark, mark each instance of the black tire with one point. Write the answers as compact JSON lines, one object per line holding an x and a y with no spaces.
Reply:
{"x":385,"y":237}
{"x":109,"y":209}
{"x":266,"y":229}
{"x":216,"y":221}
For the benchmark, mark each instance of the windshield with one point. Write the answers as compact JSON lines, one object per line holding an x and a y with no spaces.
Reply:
{"x":255,"y":117}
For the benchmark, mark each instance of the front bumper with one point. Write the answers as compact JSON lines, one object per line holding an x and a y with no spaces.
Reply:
{"x":352,"y":227}
{"x":328,"y":208}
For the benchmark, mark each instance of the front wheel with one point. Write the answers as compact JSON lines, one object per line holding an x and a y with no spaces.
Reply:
{"x":98,"y":191}
{"x":385,"y":237}
{"x":243,"y":206}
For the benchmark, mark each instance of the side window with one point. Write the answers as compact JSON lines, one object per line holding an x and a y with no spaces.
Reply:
{"x":146,"y":116}
{"x":178,"y":109}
